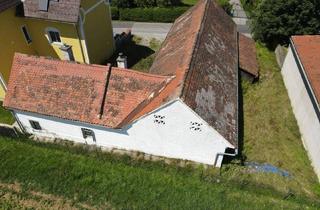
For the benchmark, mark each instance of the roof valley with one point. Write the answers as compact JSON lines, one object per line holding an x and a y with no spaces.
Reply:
{"x":104,"y":97}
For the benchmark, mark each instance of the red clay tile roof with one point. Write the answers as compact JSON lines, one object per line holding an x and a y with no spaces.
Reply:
{"x":248,"y":55}
{"x":62,"y":10}
{"x":308,"y":49}
{"x":201,"y":50}
{"x":6,"y":4}
{"x":76,"y":91}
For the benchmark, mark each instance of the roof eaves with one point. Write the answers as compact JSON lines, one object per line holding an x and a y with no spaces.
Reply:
{"x":238,"y":92}
{"x":12,"y":3}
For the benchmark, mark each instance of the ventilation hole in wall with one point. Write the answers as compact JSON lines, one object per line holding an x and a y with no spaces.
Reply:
{"x":159,"y":119}
{"x":195,"y":126}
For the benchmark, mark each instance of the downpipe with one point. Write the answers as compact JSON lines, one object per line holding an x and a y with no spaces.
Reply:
{"x":223,"y":154}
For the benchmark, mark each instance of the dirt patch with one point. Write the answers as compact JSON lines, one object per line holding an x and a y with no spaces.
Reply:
{"x":12,"y":196}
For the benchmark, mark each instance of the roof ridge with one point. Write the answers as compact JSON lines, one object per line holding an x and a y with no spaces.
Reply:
{"x":142,"y":73}
{"x":61,"y":62}
{"x":195,"y":47}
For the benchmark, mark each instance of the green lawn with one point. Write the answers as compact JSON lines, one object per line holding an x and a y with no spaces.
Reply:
{"x":145,"y":63}
{"x":271,"y":133}
{"x":5,"y":116}
{"x":108,"y":181}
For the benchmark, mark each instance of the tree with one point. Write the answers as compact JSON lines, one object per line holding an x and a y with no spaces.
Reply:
{"x":274,"y":21}
{"x":225,"y":4}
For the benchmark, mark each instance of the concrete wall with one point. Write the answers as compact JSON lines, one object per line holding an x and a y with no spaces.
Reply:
{"x":172,"y":138}
{"x":303,"y":109}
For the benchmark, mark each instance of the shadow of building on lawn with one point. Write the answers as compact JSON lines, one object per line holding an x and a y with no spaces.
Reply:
{"x":134,"y":52}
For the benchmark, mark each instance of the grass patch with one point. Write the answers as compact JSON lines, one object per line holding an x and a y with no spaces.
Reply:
{"x":102,"y":180}
{"x":5,"y":116}
{"x":271,"y":134}
{"x":145,"y":63}
{"x":140,"y":53}
{"x":189,"y":2}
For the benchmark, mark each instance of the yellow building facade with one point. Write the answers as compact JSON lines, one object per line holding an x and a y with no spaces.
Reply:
{"x":83,"y":36}
{"x":12,"y":41}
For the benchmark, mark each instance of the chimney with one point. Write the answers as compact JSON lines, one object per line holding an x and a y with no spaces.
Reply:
{"x":43,"y":5}
{"x":122,"y":61}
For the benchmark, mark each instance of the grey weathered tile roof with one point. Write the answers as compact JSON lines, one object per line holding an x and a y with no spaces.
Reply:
{"x":6,"y":4}
{"x":201,"y":50}
{"x":62,"y":10}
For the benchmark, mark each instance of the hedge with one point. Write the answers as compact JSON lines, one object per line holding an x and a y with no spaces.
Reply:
{"x":156,"y":14}
{"x":115,"y":13}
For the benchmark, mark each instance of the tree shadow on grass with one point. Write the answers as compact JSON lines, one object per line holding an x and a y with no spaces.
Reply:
{"x":134,"y":52}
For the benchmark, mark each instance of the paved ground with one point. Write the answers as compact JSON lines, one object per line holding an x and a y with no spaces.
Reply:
{"x":240,"y":18}
{"x":146,"y":30}
{"x":160,"y":30}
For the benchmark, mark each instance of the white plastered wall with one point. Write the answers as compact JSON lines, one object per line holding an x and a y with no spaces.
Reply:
{"x":303,"y":109}
{"x":172,"y":137}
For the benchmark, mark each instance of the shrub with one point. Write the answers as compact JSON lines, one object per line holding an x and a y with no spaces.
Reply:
{"x":123,"y":3}
{"x":225,"y":4}
{"x":115,"y":13}
{"x":152,"y":14}
{"x":145,"y":3}
{"x":168,"y":3}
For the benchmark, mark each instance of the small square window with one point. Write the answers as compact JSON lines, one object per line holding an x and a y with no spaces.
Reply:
{"x":35,"y":125}
{"x":87,"y":133}
{"x":54,"y":36}
{"x":26,"y":34}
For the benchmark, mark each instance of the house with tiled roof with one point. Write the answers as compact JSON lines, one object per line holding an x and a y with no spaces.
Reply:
{"x":75,"y":30}
{"x":301,"y":75}
{"x":186,"y":107}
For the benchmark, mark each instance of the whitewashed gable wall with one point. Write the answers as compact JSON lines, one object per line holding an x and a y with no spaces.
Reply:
{"x":167,"y":132}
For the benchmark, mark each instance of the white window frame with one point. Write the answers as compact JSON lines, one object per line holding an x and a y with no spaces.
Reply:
{"x":27,"y":31}
{"x":3,"y":83}
{"x":49,"y":37}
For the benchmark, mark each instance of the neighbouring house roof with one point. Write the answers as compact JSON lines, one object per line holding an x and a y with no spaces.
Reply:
{"x":88,"y":93}
{"x":308,"y":50}
{"x":201,"y":50}
{"x":6,"y":4}
{"x":62,"y":10}
{"x":248,"y":56}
